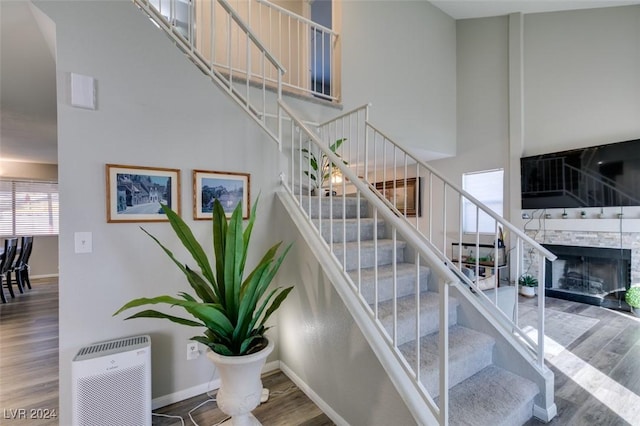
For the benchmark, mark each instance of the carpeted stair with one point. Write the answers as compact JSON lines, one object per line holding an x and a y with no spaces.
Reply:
{"x":481,"y":393}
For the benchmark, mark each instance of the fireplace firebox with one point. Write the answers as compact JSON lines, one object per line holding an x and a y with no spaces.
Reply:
{"x":594,"y":275}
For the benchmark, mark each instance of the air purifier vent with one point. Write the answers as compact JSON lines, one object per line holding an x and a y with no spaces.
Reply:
{"x":111,"y":383}
{"x":102,"y":348}
{"x":113,"y":398}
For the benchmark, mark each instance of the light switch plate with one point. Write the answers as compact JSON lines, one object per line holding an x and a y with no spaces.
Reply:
{"x":83,"y":242}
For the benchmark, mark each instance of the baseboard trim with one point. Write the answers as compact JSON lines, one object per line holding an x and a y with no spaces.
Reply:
{"x":335,"y":417}
{"x":174,"y":397}
{"x":35,"y":277}
{"x":545,"y":414}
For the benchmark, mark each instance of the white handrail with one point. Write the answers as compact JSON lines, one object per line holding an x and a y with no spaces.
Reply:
{"x":236,"y":17}
{"x":298,"y":17}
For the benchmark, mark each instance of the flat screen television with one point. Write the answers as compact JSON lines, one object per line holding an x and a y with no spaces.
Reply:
{"x":598,"y":176}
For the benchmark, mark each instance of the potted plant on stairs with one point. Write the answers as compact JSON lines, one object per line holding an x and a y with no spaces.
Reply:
{"x":528,"y":284}
{"x":230,"y":307}
{"x":321,"y":170}
{"x":632,"y":297}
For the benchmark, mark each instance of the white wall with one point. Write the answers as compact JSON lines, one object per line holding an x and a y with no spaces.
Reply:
{"x":483,"y":103}
{"x":154,"y":109}
{"x":581,"y":81}
{"x":400,"y":56}
{"x":581,"y":78}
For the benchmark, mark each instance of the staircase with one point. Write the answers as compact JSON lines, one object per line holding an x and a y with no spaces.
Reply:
{"x":395,"y":275}
{"x":481,"y":393}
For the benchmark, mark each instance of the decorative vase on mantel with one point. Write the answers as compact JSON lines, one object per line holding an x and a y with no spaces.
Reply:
{"x":240,"y":385}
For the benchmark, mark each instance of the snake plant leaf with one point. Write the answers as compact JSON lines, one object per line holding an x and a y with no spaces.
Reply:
{"x":244,"y":346}
{"x":258,"y":313}
{"x":276,"y":304}
{"x":274,"y":270}
{"x":233,"y":255}
{"x":246,"y":236}
{"x":204,"y":290}
{"x":221,"y":349}
{"x":212,"y":315}
{"x":248,"y":303}
{"x":189,"y":241}
{"x":187,"y":297}
{"x":219,"y":219}
{"x":150,"y":313}
{"x":337,"y":144}
{"x":167,"y":251}
{"x":266,"y":259}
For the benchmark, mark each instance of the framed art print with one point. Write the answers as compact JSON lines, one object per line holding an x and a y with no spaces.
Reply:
{"x":229,"y":187}
{"x":134,"y":193}
{"x":404,"y":194}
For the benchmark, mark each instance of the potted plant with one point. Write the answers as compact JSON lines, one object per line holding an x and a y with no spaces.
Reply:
{"x":227,"y":305}
{"x":528,"y":284}
{"x":632,"y":297}
{"x":320,"y":170}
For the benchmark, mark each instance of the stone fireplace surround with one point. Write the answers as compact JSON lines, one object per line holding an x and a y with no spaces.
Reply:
{"x":615,"y":240}
{"x":593,"y":231}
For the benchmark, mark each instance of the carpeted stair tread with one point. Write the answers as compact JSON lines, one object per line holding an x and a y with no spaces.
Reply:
{"x":316,"y":204}
{"x":494,"y":397}
{"x":406,"y":306}
{"x":405,"y":279}
{"x":367,"y":253}
{"x":347,"y":230}
{"x":469,"y":352}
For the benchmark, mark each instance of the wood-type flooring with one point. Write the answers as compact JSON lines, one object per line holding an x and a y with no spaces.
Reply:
{"x":597,"y":377}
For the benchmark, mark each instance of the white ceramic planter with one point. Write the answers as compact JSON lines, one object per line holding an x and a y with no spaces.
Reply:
{"x":635,"y":311}
{"x":527,"y":291}
{"x":240,"y":385}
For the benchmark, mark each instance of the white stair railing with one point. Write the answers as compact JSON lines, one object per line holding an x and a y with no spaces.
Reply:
{"x":307,"y":48}
{"x":217,"y":30}
{"x":219,"y":42}
{"x":405,"y":183}
{"x":331,"y":226}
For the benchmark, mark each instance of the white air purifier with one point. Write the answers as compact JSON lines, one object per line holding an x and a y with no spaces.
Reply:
{"x":111,"y":383}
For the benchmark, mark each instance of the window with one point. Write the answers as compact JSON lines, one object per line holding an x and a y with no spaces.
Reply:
{"x":28,"y":207}
{"x":487,"y":187}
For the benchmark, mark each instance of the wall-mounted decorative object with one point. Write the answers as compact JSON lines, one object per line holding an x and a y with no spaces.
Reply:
{"x":228,"y":187}
{"x":134,"y":193}
{"x":404,"y":194}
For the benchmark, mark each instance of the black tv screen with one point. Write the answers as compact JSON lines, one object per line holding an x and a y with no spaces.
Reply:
{"x":599,"y":176}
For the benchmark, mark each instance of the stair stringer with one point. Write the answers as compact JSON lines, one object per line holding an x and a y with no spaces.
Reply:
{"x":508,"y":353}
{"x":391,"y":361}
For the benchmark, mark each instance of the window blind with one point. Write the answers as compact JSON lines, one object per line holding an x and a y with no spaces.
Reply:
{"x":28,"y":207}
{"x":487,"y":187}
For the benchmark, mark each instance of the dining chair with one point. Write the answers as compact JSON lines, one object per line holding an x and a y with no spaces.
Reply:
{"x":8,"y":257}
{"x":20,"y":268}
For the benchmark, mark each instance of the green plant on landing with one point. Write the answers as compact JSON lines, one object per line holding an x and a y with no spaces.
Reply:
{"x":320,"y":170}
{"x":528,"y":281}
{"x":632,"y":297}
{"x":232,"y":309}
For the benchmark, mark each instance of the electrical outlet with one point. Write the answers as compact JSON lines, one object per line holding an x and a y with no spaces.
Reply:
{"x":192,"y":351}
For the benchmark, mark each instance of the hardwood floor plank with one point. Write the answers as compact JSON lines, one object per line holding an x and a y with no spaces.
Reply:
{"x":29,"y":370}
